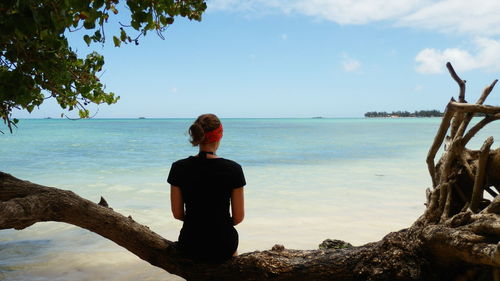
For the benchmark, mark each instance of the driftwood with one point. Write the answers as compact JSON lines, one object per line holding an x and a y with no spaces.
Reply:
{"x":457,"y":237}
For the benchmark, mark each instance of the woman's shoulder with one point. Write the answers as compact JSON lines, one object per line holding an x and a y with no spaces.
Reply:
{"x":229,"y":162}
{"x":184,"y":161}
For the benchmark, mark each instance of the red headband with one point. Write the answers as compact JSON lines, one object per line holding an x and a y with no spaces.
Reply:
{"x":213,"y":136}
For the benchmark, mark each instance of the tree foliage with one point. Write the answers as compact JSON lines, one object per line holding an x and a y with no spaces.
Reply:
{"x":37,"y":62}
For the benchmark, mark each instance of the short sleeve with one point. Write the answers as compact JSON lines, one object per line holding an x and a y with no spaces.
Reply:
{"x":239,"y":177}
{"x":175,"y":176}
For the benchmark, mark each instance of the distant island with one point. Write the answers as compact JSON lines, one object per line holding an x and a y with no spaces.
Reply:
{"x":394,"y":114}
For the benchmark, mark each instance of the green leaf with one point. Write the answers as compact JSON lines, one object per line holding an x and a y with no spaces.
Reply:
{"x":135,"y":24}
{"x":84,"y":113}
{"x":123,"y":35}
{"x":87,"y":39}
{"x":98,"y":36}
{"x":117,"y":41}
{"x":89,"y":24}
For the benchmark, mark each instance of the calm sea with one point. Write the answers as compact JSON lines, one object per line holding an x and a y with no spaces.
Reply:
{"x":307,"y":180}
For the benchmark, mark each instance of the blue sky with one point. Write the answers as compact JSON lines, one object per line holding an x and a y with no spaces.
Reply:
{"x":297,"y":58}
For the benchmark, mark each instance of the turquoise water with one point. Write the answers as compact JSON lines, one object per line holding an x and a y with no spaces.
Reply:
{"x":307,"y":180}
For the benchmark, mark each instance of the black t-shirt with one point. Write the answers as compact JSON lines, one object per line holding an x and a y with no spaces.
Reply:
{"x":206,"y":186}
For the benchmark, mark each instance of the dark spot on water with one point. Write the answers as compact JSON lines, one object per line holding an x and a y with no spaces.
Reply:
{"x":379,"y":175}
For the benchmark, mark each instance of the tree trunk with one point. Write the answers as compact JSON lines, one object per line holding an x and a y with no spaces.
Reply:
{"x":457,"y":237}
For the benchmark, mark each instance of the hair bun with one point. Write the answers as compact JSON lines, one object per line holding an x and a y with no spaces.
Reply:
{"x":197,"y":134}
{"x":204,"y":123}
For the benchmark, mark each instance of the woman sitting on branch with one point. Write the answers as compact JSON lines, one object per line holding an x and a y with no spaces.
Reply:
{"x":202,"y":189}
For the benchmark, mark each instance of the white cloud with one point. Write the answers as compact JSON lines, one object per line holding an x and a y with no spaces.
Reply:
{"x":467,"y":18}
{"x":487,"y":56}
{"x":457,"y":16}
{"x":355,"y":11}
{"x":479,"y":18}
{"x":349,"y":64}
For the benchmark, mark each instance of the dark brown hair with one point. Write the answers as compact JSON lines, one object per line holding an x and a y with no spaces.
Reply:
{"x":205,"y":123}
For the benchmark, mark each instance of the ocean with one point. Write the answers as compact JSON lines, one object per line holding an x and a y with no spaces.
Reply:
{"x":307,"y":180}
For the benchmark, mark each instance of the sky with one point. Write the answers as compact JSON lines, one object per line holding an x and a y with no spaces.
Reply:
{"x":301,"y":58}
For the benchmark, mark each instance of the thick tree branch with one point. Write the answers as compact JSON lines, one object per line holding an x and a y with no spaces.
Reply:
{"x":438,"y":141}
{"x":477,"y":108}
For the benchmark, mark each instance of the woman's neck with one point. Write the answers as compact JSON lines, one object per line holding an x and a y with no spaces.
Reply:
{"x":207,"y":154}
{"x":208,"y":150}
{"x":209,"y":147}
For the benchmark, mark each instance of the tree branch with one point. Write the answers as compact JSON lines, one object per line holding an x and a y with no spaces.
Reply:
{"x":474,"y":130}
{"x":464,"y":107}
{"x":438,"y":141}
{"x":23,"y":203}
{"x":477,"y":192}
{"x":460,"y":82}
{"x":486,"y":92}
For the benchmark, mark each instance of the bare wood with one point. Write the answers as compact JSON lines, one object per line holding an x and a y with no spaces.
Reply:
{"x":456,"y":122}
{"x":465,"y":119}
{"x":486,"y":92}
{"x":468,"y":116}
{"x":443,"y":195}
{"x":460,"y":82}
{"x":23,"y":203}
{"x":494,"y":206}
{"x":466,"y":165}
{"x":476,"y":128}
{"x":458,"y":117}
{"x":477,"y":193}
{"x":432,"y":213}
{"x":461,"y":244}
{"x":447,"y":206}
{"x":438,"y":141}
{"x":484,"y":224}
{"x":475,"y":108}
{"x":449,"y":158}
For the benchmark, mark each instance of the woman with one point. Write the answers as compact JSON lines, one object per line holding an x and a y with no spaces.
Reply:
{"x":202,"y":189}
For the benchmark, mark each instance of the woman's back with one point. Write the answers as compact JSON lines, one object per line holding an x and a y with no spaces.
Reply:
{"x":206,"y":186}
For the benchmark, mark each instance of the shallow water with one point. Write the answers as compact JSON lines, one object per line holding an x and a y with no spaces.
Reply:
{"x":307,"y":180}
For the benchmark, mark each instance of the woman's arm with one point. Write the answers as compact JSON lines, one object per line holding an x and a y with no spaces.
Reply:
{"x":176,"y":202}
{"x":237,"y":205}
